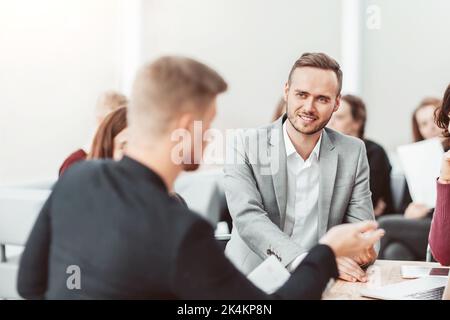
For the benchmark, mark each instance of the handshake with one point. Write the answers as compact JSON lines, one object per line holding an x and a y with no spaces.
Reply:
{"x":353,"y":246}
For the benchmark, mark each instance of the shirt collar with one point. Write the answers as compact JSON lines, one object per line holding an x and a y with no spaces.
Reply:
{"x":290,"y":149}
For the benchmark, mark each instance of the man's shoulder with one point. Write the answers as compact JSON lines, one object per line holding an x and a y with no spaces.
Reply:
{"x":257,"y":136}
{"x":85,"y":169}
{"x":344,"y":142}
{"x":261,"y":130}
{"x":86,"y":176}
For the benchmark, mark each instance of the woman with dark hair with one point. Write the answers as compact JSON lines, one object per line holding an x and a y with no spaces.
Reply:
{"x":440,"y":227}
{"x":407,"y":234}
{"x":350,"y":119}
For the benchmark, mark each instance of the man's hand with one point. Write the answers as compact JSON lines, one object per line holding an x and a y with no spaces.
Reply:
{"x":366,"y":257}
{"x":350,"y":271}
{"x":352,"y":239}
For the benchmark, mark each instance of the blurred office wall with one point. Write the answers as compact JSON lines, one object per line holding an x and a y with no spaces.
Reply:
{"x":252,"y":43}
{"x":55,"y":57}
{"x":404,"y":60}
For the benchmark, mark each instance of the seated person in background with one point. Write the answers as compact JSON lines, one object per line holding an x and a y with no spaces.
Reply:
{"x":280,"y":110}
{"x":106,"y":103}
{"x":440,"y":227}
{"x":129,"y":239}
{"x":407,"y":235}
{"x":350,"y":119}
{"x":111,"y":137}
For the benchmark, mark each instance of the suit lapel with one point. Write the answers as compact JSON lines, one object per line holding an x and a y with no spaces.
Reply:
{"x":328,"y":166}
{"x":279,"y":167}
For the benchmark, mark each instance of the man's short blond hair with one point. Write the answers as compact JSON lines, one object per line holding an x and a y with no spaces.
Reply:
{"x":110,"y":101}
{"x":168,"y":87}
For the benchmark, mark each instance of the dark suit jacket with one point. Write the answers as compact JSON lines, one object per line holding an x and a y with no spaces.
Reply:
{"x":131,"y":240}
{"x":380,"y":175}
{"x":76,"y":156}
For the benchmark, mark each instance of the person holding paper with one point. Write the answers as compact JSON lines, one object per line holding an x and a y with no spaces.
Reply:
{"x":294,"y":179}
{"x":440,"y":227}
{"x":407,"y":234}
{"x":423,"y":128}
{"x":111,"y":230}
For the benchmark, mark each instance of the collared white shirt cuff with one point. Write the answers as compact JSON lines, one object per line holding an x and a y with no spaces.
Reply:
{"x":291,"y":267}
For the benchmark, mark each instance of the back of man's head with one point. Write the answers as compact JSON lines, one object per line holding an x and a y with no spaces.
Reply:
{"x":108,"y":102}
{"x":169,"y":87}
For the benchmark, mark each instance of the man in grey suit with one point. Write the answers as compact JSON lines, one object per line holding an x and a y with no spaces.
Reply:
{"x":289,"y":182}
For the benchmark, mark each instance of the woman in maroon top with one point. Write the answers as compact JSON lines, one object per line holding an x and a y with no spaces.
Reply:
{"x":109,"y":141}
{"x":440,"y":227}
{"x":107,"y":102}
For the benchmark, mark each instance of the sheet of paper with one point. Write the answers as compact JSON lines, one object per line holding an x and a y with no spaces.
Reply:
{"x":270,"y":275}
{"x":421,"y":163}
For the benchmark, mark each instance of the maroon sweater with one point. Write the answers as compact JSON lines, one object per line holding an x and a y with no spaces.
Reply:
{"x":440,"y":227}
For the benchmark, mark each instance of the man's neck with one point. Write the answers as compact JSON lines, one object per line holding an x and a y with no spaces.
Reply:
{"x":156,"y":158}
{"x":303,"y":143}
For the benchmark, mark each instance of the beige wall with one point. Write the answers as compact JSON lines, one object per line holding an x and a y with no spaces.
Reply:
{"x":252,"y":43}
{"x":56,"y":56}
{"x":405,"y":60}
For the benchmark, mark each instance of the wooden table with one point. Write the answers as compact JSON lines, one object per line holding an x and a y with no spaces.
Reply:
{"x":383,"y":272}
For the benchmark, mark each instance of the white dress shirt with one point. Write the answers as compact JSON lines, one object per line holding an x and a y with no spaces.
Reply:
{"x":302,"y":210}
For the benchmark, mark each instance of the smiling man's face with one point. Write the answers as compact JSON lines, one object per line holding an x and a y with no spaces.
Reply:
{"x":311,"y":97}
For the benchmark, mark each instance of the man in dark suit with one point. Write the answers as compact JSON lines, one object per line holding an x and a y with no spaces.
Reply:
{"x":112,"y":230}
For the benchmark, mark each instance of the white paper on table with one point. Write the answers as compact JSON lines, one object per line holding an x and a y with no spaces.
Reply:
{"x":421,"y":163}
{"x":270,"y":275}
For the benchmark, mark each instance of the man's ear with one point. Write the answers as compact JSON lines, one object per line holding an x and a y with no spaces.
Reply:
{"x":185,"y":121}
{"x":337,"y":104}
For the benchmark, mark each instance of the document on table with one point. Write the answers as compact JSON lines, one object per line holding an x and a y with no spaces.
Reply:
{"x":270,"y":275}
{"x":421,"y":163}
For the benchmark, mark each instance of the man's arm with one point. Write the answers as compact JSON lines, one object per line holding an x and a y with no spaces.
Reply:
{"x":201,"y":271}
{"x":249,"y":216}
{"x":360,"y":206}
{"x":33,"y":269}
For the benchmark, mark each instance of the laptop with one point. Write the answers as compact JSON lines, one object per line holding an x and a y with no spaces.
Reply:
{"x":428,"y":288}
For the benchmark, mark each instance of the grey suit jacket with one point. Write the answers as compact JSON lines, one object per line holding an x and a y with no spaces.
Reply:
{"x":256,"y":190}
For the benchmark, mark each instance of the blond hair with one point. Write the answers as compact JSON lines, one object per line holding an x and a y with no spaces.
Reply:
{"x":169,"y":86}
{"x":108,"y":102}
